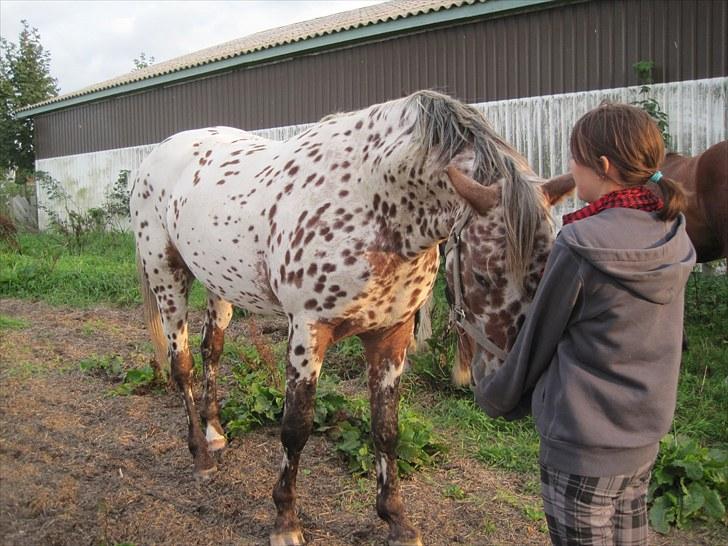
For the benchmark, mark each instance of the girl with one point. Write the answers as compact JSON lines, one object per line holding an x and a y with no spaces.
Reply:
{"x":598,"y":356}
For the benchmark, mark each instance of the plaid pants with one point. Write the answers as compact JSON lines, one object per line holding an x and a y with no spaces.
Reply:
{"x":594,"y":511}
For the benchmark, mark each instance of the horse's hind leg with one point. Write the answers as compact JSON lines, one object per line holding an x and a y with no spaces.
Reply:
{"x":385,"y":353}
{"x":306,"y":347}
{"x":217,"y":318}
{"x":170,"y":281}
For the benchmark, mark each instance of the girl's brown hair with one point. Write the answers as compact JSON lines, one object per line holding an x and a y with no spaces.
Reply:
{"x":630,"y":139}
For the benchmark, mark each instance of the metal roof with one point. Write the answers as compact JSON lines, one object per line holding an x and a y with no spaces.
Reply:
{"x":339,"y":28}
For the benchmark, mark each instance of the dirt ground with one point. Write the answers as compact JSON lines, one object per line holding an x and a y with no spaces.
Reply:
{"x":78,"y":466}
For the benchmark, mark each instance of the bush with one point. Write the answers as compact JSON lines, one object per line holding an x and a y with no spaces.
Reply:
{"x":133,"y":381}
{"x":688,"y":481}
{"x":255,"y":401}
{"x":68,"y":218}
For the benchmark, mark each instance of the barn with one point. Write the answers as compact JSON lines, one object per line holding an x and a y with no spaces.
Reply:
{"x":532,"y":66}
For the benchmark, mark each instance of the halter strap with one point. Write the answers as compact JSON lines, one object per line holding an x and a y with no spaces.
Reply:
{"x":457,"y":313}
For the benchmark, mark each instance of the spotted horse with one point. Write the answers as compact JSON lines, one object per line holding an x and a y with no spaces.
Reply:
{"x":337,"y":230}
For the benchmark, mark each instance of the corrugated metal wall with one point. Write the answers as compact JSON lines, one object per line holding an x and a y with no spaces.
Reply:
{"x":563,"y":48}
{"x":538,"y":127}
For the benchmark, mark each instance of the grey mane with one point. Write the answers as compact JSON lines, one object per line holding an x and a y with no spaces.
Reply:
{"x":445,"y":127}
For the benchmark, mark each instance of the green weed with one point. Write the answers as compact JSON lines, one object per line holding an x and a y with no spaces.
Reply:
{"x":111,"y":366}
{"x":24,"y":370}
{"x":489,"y":526}
{"x":255,"y":401}
{"x":92,"y":327}
{"x":9,"y":323}
{"x":346,"y":358}
{"x":534,"y":511}
{"x":350,"y":347}
{"x":133,"y":381}
{"x":433,"y":367}
{"x":688,"y":481}
{"x":454,"y":492}
{"x":136,"y":381}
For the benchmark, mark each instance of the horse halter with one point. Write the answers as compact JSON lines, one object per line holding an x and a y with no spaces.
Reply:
{"x":457,"y":312}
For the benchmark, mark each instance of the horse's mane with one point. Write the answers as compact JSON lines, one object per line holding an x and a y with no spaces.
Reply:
{"x":445,"y":127}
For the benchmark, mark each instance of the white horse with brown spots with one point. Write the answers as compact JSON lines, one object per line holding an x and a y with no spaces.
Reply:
{"x":337,"y":230}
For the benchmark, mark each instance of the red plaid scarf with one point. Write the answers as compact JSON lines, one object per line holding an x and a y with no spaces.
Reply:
{"x":638,"y":197}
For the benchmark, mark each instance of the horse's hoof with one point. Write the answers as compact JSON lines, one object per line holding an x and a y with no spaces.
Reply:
{"x":287,"y":538}
{"x":405,"y":541}
{"x":204,"y":474}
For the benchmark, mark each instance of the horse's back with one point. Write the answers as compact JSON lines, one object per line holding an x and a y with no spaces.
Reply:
{"x":711,"y":187}
{"x":182,"y":209}
{"x":704,"y":178}
{"x":178,"y":151}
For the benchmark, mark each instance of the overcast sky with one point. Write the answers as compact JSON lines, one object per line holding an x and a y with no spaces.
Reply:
{"x":93,"y":41}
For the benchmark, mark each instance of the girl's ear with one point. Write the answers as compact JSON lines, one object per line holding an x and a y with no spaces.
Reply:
{"x":604,"y":160}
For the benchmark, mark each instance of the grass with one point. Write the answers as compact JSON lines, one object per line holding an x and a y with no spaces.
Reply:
{"x":702,"y":405}
{"x":9,"y":323}
{"x":496,"y":442}
{"x":52,"y":270}
{"x":103,"y":273}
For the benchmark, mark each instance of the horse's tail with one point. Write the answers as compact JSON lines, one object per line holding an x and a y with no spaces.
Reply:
{"x":153,"y":321}
{"x":423,"y":327}
{"x":460,"y":373}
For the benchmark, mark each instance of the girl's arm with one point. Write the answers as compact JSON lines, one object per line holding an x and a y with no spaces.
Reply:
{"x":507,"y":391}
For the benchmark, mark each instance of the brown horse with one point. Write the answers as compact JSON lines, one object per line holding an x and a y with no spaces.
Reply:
{"x":705,"y":180}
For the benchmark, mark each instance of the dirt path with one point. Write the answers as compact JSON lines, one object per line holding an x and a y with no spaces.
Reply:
{"x":78,"y":466}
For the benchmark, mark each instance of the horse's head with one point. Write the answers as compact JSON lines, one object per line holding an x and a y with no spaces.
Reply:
{"x":495,"y":259}
{"x":502,"y":235}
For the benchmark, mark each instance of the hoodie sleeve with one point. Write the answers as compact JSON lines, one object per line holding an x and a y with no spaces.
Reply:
{"x":507,"y":391}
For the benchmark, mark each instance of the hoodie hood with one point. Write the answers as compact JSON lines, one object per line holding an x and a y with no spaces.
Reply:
{"x":652,"y":259}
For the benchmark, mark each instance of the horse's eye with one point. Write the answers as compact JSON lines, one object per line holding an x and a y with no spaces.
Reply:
{"x":482,"y":281}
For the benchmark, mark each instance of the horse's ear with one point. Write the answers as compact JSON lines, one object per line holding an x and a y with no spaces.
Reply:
{"x":558,"y":187}
{"x":481,"y":198}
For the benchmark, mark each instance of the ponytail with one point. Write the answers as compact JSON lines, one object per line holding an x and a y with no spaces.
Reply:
{"x":674,"y":198}
{"x":630,"y":138}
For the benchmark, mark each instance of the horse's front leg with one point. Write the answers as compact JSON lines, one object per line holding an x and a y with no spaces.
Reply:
{"x":385,"y":353}
{"x":219,"y":313}
{"x":306,"y":348}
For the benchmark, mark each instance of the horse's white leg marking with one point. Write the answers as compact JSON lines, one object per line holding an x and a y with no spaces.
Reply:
{"x":391,"y":371}
{"x":217,"y":319}
{"x":215,"y":440}
{"x":381,"y":465}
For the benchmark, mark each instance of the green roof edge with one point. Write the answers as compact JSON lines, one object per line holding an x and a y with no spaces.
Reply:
{"x":318,"y":42}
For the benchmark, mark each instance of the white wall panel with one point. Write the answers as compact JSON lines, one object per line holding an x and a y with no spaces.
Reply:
{"x":538,"y":127}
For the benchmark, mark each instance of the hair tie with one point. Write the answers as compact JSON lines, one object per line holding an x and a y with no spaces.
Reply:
{"x":656,"y":177}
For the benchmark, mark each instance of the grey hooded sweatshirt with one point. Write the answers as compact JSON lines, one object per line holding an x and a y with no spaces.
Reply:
{"x":598,"y":356}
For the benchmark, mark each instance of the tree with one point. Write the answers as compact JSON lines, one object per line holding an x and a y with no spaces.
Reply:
{"x":24,"y":80}
{"x":143,"y":61}
{"x":649,"y":104}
